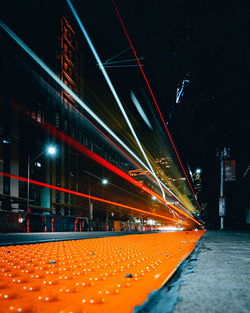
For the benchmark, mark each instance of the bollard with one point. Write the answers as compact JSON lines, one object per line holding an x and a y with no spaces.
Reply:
{"x":80,"y":227}
{"x":28,"y":225}
{"x":75,"y":225}
{"x":52,"y":225}
{"x":45,"y":229}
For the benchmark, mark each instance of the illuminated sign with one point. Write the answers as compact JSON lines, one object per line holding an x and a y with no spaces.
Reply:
{"x":230,"y":170}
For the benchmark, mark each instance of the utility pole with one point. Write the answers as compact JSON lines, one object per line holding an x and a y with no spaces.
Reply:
{"x":222,"y":154}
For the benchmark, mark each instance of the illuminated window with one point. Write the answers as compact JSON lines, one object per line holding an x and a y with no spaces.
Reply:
{"x":66,"y":126}
{"x":70,"y":54}
{"x":39,"y":116}
{"x":57,"y":120}
{"x":69,"y":37}
{"x":70,"y":71}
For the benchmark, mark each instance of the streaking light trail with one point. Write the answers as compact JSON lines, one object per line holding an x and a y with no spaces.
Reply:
{"x":153,"y":97}
{"x":77,"y":99}
{"x":31,"y":181}
{"x":139,"y":109}
{"x":113,"y":90}
{"x":74,"y":96}
{"x":82,"y":149}
{"x":63,"y":136}
{"x":92,"y":155}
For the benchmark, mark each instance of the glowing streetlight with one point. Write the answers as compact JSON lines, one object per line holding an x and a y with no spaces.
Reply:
{"x":105,"y":181}
{"x":51,"y":150}
{"x":198,"y":171}
{"x":153,"y":197}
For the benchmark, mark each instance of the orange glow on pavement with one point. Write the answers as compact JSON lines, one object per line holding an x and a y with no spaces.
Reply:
{"x":112,"y":274}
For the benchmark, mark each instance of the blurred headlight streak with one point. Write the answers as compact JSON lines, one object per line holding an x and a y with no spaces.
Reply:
{"x":75,"y":97}
{"x":92,"y":114}
{"x":156,"y":104}
{"x":113,"y":91}
{"x":139,"y":109}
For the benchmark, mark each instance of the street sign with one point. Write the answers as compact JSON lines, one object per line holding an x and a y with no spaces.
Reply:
{"x":230,"y":174}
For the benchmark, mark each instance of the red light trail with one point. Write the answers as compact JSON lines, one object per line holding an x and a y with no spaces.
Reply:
{"x":65,"y":87}
{"x":31,"y":181}
{"x":153,"y":97}
{"x":76,"y":145}
{"x":79,"y":147}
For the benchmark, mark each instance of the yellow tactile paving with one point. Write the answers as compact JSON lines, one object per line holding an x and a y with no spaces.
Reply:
{"x":112,"y":274}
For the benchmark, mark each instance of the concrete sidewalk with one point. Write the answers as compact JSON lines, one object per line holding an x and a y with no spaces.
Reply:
{"x":215,"y":278}
{"x":220,"y":280}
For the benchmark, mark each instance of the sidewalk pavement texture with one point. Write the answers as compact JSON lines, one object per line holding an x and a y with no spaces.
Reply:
{"x":214,"y":279}
{"x":111,"y":274}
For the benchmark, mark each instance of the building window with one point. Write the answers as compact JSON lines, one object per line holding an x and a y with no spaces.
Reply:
{"x":66,"y":126}
{"x":57,"y":120}
{"x":33,"y":115}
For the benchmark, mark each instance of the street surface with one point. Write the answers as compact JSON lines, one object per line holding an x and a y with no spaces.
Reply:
{"x":24,"y":238}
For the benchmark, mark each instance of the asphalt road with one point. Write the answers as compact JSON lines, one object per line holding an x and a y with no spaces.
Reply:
{"x":23,"y":238}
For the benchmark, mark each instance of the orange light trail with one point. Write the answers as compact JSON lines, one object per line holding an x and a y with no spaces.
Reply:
{"x":31,"y":181}
{"x":153,"y":97}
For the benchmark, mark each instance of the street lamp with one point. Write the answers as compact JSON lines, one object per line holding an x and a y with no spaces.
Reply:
{"x":51,"y":150}
{"x":198,"y":171}
{"x":104,"y":182}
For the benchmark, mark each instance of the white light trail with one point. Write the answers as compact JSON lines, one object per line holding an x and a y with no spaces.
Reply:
{"x":74,"y":96}
{"x":139,"y":109}
{"x":113,"y":91}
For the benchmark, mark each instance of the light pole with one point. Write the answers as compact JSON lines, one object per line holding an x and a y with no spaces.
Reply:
{"x":222,"y":154}
{"x":51,"y":150}
{"x":104,"y":181}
